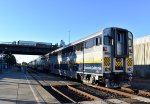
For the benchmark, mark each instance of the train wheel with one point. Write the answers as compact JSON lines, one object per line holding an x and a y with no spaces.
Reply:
{"x":112,"y":84}
{"x":107,"y":84}
{"x":136,"y":91}
{"x":79,"y":78}
{"x":92,"y":80}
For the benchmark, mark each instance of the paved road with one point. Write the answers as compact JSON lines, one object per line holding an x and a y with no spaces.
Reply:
{"x":15,"y":88}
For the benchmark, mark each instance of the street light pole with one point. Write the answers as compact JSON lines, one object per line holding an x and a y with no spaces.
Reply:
{"x":1,"y":64}
{"x":2,"y":61}
{"x":69,"y":36}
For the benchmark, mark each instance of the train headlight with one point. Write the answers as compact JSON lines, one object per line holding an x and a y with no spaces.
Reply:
{"x":104,"y":48}
{"x":108,"y":69}
{"x":130,"y":75}
{"x":130,"y":69}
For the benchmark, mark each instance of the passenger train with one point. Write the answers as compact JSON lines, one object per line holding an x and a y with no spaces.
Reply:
{"x":103,"y":57}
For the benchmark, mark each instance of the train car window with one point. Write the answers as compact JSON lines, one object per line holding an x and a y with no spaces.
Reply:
{"x":79,"y":47}
{"x":119,"y":37}
{"x":130,"y":36}
{"x":74,"y":48}
{"x":107,"y":40}
{"x":98,"y":41}
{"x":89,"y":43}
{"x":92,"y":42}
{"x":85,"y":45}
{"x":129,"y":42}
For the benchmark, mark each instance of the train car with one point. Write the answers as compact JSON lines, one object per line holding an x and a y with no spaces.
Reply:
{"x":43,"y":44}
{"x":32,"y":43}
{"x":40,"y":64}
{"x":28,"y":43}
{"x":105,"y":56}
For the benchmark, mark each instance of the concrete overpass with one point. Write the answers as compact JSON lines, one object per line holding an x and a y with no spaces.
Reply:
{"x":26,"y":49}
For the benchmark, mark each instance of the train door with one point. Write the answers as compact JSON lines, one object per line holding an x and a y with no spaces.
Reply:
{"x":120,"y":43}
{"x":120,"y":49}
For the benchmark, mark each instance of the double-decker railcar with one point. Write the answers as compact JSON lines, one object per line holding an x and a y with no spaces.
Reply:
{"x":105,"y":56}
{"x":40,"y":64}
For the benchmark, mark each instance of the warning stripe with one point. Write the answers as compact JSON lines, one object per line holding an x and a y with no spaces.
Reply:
{"x":106,"y":61}
{"x":129,"y":62}
{"x":118,"y":62}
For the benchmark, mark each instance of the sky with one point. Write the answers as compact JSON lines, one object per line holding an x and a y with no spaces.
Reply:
{"x":51,"y":20}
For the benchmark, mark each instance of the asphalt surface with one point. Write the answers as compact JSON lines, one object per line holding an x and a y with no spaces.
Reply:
{"x":16,"y":88}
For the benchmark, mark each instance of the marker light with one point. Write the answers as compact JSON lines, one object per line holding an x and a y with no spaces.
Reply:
{"x":104,"y":48}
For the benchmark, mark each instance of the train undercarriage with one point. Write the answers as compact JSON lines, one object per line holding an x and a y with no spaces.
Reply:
{"x":112,"y":80}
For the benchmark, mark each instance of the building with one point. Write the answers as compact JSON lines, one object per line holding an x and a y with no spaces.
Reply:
{"x":142,"y":56}
{"x":3,"y":65}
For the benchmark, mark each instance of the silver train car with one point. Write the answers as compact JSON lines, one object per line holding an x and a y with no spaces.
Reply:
{"x":103,"y":57}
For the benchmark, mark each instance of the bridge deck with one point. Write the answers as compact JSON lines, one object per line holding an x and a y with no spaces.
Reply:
{"x":26,"y":49}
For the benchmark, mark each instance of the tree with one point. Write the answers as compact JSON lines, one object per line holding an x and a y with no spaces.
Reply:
{"x":10,"y":59}
{"x":24,"y":64}
{"x":62,"y":43}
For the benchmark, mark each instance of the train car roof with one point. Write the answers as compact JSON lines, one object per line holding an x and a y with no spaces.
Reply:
{"x":85,"y":38}
{"x":80,"y":40}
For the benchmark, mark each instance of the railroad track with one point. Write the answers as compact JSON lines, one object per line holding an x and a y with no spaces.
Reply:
{"x":75,"y":93}
{"x":130,"y":98}
{"x":66,"y":93}
{"x":135,"y":92}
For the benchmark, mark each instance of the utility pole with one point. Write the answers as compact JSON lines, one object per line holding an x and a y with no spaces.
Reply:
{"x":2,"y":61}
{"x":69,"y":36}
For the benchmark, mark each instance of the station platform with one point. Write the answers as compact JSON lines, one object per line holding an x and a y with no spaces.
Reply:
{"x":16,"y":87}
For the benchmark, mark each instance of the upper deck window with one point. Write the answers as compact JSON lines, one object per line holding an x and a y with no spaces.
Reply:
{"x":79,"y":47}
{"x":107,"y":40}
{"x":118,"y":37}
{"x":89,"y":43}
{"x":98,"y":40}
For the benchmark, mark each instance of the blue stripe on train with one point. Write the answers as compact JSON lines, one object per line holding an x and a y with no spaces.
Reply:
{"x":91,"y":68}
{"x":88,"y":67}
